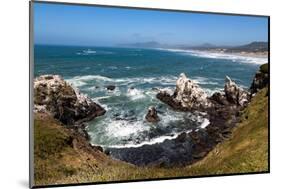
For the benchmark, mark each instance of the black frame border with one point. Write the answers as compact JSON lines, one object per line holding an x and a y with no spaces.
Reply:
{"x":31,"y":65}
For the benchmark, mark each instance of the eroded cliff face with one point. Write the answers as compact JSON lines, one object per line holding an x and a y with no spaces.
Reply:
{"x":261,"y":79}
{"x":55,"y":96}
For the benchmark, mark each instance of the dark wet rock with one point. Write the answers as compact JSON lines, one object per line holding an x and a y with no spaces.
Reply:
{"x":167,"y":98}
{"x":152,"y":115}
{"x":199,"y":155}
{"x":55,"y":96}
{"x":261,"y":79}
{"x":97,"y":148}
{"x":219,"y":98}
{"x":181,"y":137}
{"x":194,"y":136}
{"x":166,"y":154}
{"x":156,"y":89}
{"x":110,"y":87}
{"x":235,"y":94}
{"x":106,"y":151}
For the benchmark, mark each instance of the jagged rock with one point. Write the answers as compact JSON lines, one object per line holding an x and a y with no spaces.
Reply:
{"x":181,"y":137}
{"x":189,"y":94}
{"x":167,"y":98}
{"x":151,"y":115}
{"x":260,"y":80}
{"x":235,"y":94}
{"x":110,"y":87}
{"x":54,"y":95}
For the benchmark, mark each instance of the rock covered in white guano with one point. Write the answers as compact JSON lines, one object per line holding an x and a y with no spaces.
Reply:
{"x":235,"y":94}
{"x":55,"y":96}
{"x":190,"y":94}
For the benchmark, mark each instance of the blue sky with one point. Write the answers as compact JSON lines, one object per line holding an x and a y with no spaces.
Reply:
{"x":100,"y":26}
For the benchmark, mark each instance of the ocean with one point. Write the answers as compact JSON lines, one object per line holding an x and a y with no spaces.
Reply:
{"x":137,"y":74}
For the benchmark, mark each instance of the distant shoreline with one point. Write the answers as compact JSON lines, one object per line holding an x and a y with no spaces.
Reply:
{"x":241,"y":53}
{"x":257,"y":57}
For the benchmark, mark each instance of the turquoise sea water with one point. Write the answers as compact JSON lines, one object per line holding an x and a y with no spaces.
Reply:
{"x":137,"y":73}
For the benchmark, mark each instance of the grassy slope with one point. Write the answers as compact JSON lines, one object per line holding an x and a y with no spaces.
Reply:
{"x":56,"y":161}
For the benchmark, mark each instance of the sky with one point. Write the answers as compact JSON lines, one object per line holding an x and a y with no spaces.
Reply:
{"x":103,"y":26}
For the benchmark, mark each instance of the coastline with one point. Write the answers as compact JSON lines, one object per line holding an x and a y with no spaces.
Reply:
{"x":247,"y":57}
{"x":77,"y":161}
{"x":182,"y":150}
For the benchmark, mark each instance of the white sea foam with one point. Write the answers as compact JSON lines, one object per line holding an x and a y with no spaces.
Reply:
{"x":76,"y":82}
{"x":91,"y":77}
{"x":227,"y":56}
{"x":212,"y":91}
{"x":135,"y":94}
{"x":205,"y":123}
{"x":128,"y":67}
{"x":123,"y":128}
{"x":163,"y":80}
{"x":101,"y":98}
{"x":89,"y":51}
{"x":93,"y":52}
{"x":204,"y":80}
{"x":152,"y":141}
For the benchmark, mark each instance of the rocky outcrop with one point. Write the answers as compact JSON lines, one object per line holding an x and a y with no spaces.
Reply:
{"x":110,"y":87}
{"x":235,"y":94}
{"x":222,"y":110}
{"x":261,"y":79}
{"x":55,"y":96}
{"x":187,"y":95}
{"x":151,"y":115}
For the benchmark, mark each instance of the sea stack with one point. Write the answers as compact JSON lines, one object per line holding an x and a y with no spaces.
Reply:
{"x":151,"y":115}
{"x":187,"y":95}
{"x":57,"y":97}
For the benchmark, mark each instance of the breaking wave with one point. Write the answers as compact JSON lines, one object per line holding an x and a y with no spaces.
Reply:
{"x":122,"y":132}
{"x":163,"y":80}
{"x":93,"y":52}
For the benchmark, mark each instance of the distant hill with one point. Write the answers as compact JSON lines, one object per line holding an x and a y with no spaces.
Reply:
{"x":207,"y":45}
{"x":256,"y":46}
{"x":149,"y":44}
{"x":251,"y":47}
